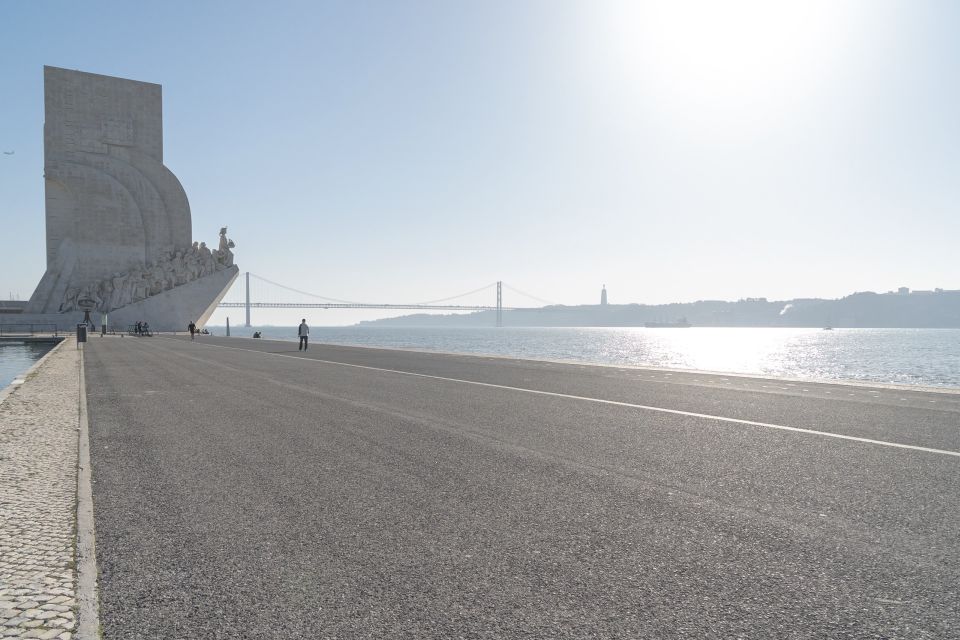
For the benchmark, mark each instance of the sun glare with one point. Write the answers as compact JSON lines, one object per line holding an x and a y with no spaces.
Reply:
{"x":725,"y":58}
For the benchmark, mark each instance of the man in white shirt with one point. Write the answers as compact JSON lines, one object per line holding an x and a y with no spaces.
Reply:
{"x":303,"y":332}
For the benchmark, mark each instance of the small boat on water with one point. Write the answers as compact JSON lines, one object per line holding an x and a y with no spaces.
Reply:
{"x":679,"y":324}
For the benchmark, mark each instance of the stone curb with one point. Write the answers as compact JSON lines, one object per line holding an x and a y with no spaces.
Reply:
{"x":88,"y":621}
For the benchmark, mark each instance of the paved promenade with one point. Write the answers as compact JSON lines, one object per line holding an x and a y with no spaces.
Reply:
{"x":38,"y":491}
{"x":245,"y":490}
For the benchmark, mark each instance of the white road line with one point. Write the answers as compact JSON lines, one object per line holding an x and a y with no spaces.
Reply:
{"x":678,"y":412}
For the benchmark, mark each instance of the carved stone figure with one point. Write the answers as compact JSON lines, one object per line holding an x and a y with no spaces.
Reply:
{"x":193,"y":264}
{"x":140,"y":281}
{"x":139,"y":286}
{"x":207,"y":263}
{"x":225,"y":256}
{"x":126,"y":295}
{"x":105,"y":293}
{"x":169,"y":275}
{"x":181,"y":276}
{"x":119,"y":289}
{"x":69,"y":302}
{"x":157,"y":278}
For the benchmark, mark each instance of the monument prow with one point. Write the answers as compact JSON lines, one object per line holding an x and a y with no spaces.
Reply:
{"x":119,"y":230}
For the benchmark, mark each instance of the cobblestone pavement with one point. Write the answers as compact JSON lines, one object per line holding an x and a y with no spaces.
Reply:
{"x":38,"y":491}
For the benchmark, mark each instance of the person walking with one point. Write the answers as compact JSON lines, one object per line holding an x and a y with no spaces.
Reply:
{"x":193,"y":329}
{"x":303,"y":331}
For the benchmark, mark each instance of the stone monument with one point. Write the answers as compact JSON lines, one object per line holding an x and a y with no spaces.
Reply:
{"x":119,"y":236}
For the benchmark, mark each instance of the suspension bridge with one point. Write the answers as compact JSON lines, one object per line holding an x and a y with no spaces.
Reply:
{"x":443,"y":304}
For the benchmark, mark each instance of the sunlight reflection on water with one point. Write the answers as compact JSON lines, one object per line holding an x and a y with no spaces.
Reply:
{"x":901,"y":356}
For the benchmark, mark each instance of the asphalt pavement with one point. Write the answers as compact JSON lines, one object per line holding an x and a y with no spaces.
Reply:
{"x":244,"y":489}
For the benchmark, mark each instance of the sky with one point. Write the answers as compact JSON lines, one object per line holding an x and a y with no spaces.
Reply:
{"x":409,"y":151}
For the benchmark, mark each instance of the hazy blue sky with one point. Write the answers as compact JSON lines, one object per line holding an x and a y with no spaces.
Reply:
{"x":405,"y":151}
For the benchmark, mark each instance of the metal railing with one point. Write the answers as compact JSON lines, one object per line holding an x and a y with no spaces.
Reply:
{"x":28,"y":328}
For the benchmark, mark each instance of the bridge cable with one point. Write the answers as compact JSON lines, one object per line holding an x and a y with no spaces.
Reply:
{"x":462,"y":295}
{"x":515,"y":290}
{"x":305,"y":293}
{"x":337,"y":300}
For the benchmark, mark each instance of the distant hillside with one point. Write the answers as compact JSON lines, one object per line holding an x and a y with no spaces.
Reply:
{"x":920,"y":309}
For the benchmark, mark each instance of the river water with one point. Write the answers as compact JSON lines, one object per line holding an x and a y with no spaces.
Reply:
{"x":929,"y":357}
{"x":17,"y":357}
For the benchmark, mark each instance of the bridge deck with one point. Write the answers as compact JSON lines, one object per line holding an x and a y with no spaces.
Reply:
{"x":245,"y":489}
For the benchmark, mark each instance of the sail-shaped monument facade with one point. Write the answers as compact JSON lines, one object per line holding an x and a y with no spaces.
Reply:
{"x":118,"y":225}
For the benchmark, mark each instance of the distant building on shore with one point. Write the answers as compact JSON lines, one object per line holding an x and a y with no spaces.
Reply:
{"x":603,"y":295}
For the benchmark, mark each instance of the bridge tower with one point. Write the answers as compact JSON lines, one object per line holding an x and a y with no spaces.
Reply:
{"x":499,"y":303}
{"x":248,"y":300}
